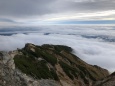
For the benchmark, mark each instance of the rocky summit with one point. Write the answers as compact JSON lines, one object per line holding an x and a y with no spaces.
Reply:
{"x":48,"y":65}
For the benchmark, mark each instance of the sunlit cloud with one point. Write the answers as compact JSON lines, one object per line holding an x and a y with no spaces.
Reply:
{"x":85,"y":16}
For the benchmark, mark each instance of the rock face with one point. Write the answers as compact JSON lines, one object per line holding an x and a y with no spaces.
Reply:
{"x":108,"y":81}
{"x":8,"y":74}
{"x":47,"y":65}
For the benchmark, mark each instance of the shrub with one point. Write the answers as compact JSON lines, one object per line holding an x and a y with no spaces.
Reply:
{"x":70,"y":71}
{"x":36,"y":69}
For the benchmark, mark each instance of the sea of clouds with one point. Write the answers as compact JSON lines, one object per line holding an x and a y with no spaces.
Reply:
{"x":93,"y":44}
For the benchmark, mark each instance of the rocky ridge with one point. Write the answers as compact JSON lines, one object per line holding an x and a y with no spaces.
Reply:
{"x":47,"y":65}
{"x":107,"y":81}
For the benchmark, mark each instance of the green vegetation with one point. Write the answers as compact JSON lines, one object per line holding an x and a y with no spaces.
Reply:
{"x":58,"y":48}
{"x":49,"y":58}
{"x":86,"y":72}
{"x":37,"y":69}
{"x":28,"y":64}
{"x":1,"y":56}
{"x":70,"y":71}
{"x":113,"y":74}
{"x":39,"y":52}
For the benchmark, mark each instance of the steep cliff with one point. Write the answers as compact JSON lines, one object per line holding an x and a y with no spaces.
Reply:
{"x":47,"y":65}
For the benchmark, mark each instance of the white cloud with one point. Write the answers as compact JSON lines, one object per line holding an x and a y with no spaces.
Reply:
{"x":103,"y":15}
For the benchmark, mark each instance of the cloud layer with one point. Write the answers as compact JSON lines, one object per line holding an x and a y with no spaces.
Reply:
{"x":44,"y":10}
{"x":93,"y":44}
{"x":38,"y":7}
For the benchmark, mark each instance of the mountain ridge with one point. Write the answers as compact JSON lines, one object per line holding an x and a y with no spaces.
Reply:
{"x":49,"y":65}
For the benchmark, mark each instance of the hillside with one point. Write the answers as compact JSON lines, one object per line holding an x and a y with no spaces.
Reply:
{"x":47,"y":65}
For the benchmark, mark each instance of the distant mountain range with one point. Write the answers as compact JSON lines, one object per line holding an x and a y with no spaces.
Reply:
{"x":49,"y":65}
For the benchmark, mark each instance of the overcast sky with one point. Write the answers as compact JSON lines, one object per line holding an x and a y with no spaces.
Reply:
{"x":56,"y":11}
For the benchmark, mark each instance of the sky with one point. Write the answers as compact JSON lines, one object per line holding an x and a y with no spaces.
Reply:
{"x":34,"y":12}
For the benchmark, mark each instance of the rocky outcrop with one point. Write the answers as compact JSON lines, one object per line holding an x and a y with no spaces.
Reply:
{"x":47,"y":65}
{"x":108,"y":81}
{"x":8,"y":75}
